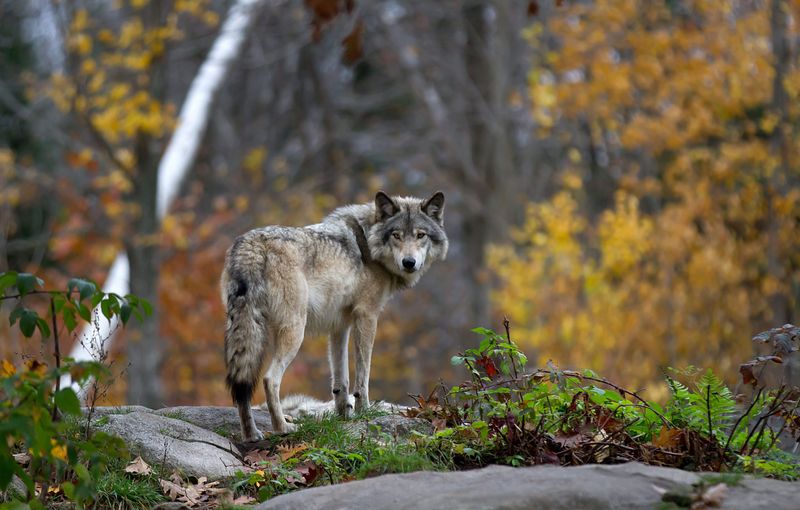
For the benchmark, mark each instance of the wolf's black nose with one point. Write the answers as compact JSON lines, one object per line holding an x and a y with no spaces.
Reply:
{"x":409,"y":263}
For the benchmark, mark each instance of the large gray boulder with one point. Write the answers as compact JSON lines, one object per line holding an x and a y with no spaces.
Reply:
{"x":221,"y":420}
{"x":597,"y":487}
{"x":174,"y":444}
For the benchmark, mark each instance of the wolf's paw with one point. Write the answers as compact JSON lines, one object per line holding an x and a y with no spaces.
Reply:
{"x":256,"y":435}
{"x":289,"y":427}
{"x":345,"y":410}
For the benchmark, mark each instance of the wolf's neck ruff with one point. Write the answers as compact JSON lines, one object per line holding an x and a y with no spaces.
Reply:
{"x":334,"y":277}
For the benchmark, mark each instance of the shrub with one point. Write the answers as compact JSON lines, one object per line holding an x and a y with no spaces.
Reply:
{"x":41,"y":441}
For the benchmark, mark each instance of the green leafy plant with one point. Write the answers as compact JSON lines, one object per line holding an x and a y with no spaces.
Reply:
{"x":504,"y":414}
{"x":40,"y":439}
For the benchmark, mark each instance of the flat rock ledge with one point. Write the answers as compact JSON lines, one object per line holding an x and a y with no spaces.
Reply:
{"x":596,"y":487}
{"x":221,"y":420}
{"x":201,"y":441}
{"x":174,"y":444}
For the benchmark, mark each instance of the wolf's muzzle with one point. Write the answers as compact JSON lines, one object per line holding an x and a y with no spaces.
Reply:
{"x":409,"y":264}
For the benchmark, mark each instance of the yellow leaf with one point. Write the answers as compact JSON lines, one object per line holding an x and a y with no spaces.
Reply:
{"x":254,"y":159}
{"x":7,"y":369}
{"x":58,"y":451}
{"x":80,"y":21}
{"x":82,"y":43}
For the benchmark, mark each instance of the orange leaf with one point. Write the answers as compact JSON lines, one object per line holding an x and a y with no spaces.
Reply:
{"x":353,"y":44}
{"x":668,"y":438}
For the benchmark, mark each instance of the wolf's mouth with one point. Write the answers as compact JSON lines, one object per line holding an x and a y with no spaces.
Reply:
{"x":410,"y":270}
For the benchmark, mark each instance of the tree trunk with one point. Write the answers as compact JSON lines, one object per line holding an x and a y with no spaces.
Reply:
{"x":779,"y":146}
{"x":145,"y":348}
{"x":486,"y":56}
{"x":779,"y":18}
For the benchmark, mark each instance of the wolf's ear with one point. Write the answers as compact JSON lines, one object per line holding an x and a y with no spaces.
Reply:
{"x":385,"y":207}
{"x":434,"y":207}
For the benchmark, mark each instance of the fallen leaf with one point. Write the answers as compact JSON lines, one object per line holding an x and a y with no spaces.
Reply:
{"x":668,"y":438}
{"x":411,"y":412}
{"x":172,"y":490}
{"x":569,"y":440}
{"x":138,"y":467}
{"x":287,"y":452}
{"x":258,"y":456}
{"x":310,"y":472}
{"x":439,"y":424}
{"x":244,"y":500}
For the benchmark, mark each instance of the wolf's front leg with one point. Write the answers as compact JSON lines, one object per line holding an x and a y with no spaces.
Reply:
{"x":364,"y":335}
{"x":340,"y":372}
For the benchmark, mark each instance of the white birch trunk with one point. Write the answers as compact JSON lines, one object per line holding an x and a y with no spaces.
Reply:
{"x":176,"y":161}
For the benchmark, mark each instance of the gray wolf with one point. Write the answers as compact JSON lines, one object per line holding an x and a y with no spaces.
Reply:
{"x":332,"y":278}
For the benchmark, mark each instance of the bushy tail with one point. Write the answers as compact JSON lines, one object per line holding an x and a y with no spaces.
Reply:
{"x":243,"y":292}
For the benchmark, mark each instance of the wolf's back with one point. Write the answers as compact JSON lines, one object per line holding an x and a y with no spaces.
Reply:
{"x":244,"y":292}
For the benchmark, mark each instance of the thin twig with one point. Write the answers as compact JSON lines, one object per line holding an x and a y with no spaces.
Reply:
{"x":507,"y":325}
{"x":56,"y":352}
{"x":786,"y":419}
{"x":741,"y":417}
{"x":708,"y":412}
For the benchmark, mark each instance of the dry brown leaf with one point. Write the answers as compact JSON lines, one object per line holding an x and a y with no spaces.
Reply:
{"x":310,"y":472}
{"x":287,"y":452}
{"x":439,"y":424}
{"x":569,"y":440}
{"x":175,"y":477}
{"x":138,"y":467}
{"x":257,"y":456}
{"x":244,"y":500}
{"x":668,"y":438}
{"x":172,"y":490}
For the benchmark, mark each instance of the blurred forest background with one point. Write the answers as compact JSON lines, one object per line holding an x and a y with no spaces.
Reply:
{"x":621,"y":176}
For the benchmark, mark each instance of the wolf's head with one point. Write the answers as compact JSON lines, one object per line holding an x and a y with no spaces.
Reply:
{"x":408,"y":234}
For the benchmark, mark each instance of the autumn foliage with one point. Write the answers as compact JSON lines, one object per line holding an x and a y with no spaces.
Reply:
{"x":660,"y":228}
{"x":697,"y":246}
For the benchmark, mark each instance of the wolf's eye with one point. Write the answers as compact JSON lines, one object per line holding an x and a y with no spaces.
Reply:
{"x":396,"y":235}
{"x":420,"y":235}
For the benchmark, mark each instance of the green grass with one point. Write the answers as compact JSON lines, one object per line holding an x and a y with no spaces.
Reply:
{"x":396,"y":458}
{"x":176,"y":415}
{"x":370,"y":413}
{"x":117,"y":491}
{"x":731,"y":479}
{"x":341,"y":454}
{"x":222,"y":431}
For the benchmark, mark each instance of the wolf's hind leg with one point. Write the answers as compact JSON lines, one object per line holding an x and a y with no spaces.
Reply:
{"x":340,"y":372}
{"x":250,"y":431}
{"x":287,"y":342}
